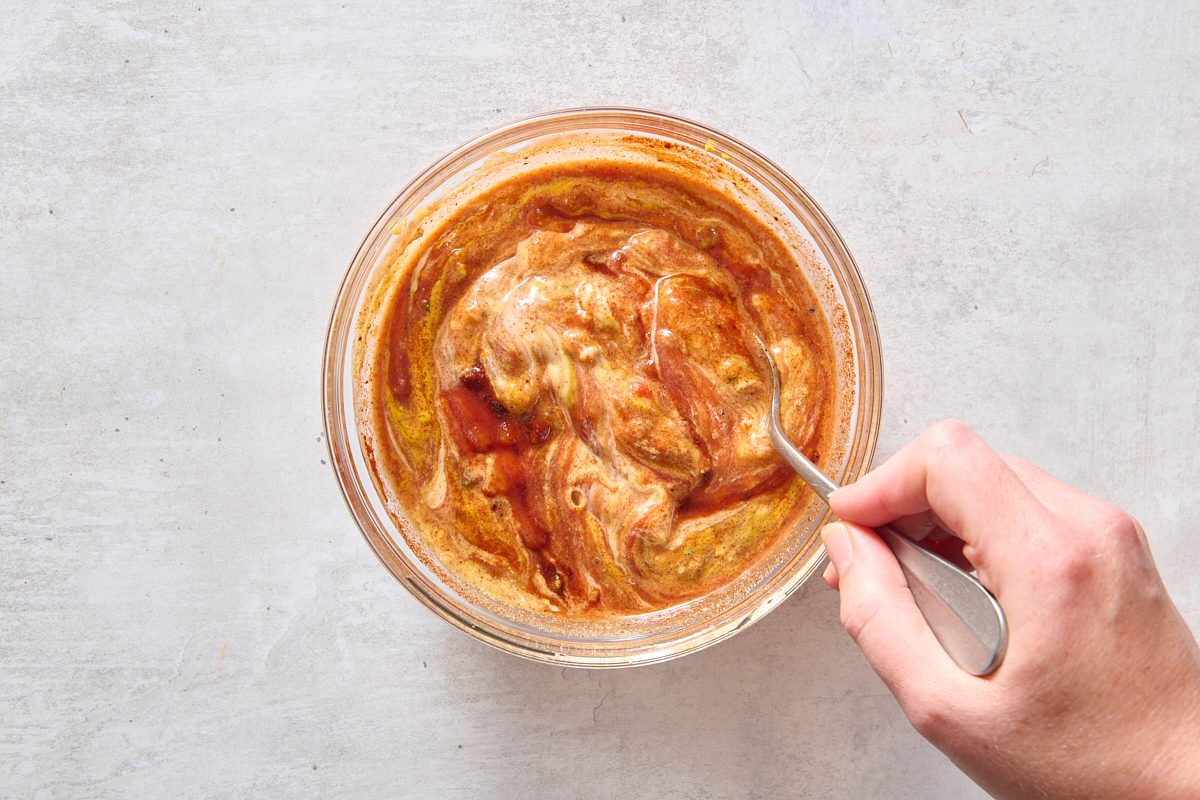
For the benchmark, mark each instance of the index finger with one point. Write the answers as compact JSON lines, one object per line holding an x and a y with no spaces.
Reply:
{"x":948,"y":469}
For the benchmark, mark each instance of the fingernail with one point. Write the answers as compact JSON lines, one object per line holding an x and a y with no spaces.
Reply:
{"x":830,"y":574}
{"x":837,"y":543}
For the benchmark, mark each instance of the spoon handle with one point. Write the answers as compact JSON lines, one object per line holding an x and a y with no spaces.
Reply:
{"x":963,"y":615}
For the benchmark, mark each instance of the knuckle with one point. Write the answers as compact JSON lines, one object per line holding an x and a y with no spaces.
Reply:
{"x":1116,"y":526}
{"x":1073,"y":565}
{"x":931,"y":717}
{"x":949,"y":435}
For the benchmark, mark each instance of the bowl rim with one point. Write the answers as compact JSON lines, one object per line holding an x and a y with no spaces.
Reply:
{"x":778,"y":186}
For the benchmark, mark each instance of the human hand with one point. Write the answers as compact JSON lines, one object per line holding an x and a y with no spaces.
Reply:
{"x":1099,"y":694}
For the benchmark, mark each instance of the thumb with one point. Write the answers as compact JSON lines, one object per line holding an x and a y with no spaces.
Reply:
{"x":879,"y":613}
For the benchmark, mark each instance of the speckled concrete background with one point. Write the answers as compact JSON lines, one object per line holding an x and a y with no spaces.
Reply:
{"x":186,"y":609}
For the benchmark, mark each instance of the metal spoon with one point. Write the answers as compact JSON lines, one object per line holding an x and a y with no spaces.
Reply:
{"x":963,"y":615}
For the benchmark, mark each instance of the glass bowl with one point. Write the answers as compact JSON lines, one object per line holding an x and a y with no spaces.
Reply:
{"x":663,"y":634}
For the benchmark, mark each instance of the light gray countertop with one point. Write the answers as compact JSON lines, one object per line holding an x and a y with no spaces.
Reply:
{"x":186,"y":608}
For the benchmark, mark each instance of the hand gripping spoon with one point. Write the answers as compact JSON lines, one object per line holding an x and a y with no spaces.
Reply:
{"x":963,"y":615}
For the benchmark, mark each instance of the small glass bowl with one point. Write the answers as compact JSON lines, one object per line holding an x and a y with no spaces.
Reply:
{"x":672,"y":632}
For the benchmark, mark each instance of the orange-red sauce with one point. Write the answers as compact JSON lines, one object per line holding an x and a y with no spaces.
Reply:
{"x":559,"y":386}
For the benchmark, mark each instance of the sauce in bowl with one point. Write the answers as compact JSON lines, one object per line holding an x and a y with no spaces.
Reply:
{"x":557,"y":384}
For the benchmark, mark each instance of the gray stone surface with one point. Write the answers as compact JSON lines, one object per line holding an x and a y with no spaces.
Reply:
{"x":186,"y":609}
